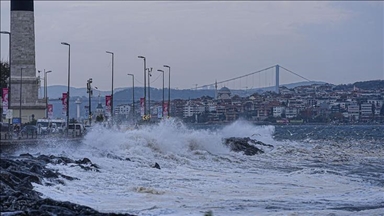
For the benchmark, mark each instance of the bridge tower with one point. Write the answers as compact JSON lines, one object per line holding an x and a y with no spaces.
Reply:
{"x":277,"y":79}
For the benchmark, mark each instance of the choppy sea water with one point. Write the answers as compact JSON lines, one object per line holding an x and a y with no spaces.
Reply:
{"x":312,"y":170}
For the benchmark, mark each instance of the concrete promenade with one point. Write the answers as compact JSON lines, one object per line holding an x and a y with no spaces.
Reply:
{"x":35,"y":139}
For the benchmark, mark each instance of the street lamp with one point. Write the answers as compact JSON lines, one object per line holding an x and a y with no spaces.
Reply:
{"x":169,"y":89}
{"x":9,"y":81}
{"x":145,"y":87}
{"x":112,"y":85}
{"x":21,"y":90}
{"x":162,"y":104}
{"x":89,"y":91}
{"x":46,"y":91}
{"x":133,"y":94}
{"x":149,"y":92}
{"x":69,"y":76}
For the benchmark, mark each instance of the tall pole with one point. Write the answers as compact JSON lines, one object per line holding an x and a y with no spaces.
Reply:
{"x":21,"y":90}
{"x":89,"y":91}
{"x":145,"y":87}
{"x":9,"y":78}
{"x":46,"y":91}
{"x":169,"y":89}
{"x":69,"y":76}
{"x":162,"y":104}
{"x":133,"y":95}
{"x":149,"y":92}
{"x":112,"y":111}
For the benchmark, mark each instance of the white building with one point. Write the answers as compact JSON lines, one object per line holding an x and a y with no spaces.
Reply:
{"x":192,"y":108}
{"x":123,"y":109}
{"x":366,"y":109}
{"x":291,"y":112}
{"x":353,"y":111}
{"x":278,"y":111}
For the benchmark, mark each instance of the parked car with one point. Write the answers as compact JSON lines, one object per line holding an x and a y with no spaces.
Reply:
{"x":76,"y":129}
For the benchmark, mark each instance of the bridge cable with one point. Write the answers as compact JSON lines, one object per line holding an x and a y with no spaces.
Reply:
{"x":259,"y":71}
{"x":294,"y":73}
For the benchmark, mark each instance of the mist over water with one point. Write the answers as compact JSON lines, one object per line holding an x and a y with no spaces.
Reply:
{"x":300,"y":175}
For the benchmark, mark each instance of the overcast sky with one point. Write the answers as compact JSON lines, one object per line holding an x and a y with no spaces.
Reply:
{"x":335,"y":42}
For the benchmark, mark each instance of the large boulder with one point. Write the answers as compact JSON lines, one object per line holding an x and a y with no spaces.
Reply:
{"x":246,"y":145}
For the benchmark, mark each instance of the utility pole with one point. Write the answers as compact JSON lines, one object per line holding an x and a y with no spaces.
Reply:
{"x":21,"y":90}
{"x":90,"y":93}
{"x":149,"y":92}
{"x":133,"y":96}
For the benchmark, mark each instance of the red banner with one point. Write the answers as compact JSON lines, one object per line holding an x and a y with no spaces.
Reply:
{"x":141,"y":106}
{"x":4,"y":100}
{"x":64,"y":102}
{"x":50,"y":111}
{"x":108,"y":104}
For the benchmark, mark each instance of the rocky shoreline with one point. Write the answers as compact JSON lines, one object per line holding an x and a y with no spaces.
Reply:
{"x":17,"y":173}
{"x":17,"y":196}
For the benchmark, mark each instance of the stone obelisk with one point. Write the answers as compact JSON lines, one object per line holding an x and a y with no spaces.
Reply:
{"x":25,"y":84}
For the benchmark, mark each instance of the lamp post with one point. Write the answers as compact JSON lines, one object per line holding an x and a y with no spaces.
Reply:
{"x":162,"y":104}
{"x":46,"y":91}
{"x":69,"y":76}
{"x":89,"y":91}
{"x":145,"y":87}
{"x":149,"y":92}
{"x":112,"y":111}
{"x":169,"y":89}
{"x":133,"y":95}
{"x":9,"y":79}
{"x":21,"y":90}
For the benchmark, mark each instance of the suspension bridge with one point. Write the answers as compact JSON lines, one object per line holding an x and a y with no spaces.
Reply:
{"x":263,"y":78}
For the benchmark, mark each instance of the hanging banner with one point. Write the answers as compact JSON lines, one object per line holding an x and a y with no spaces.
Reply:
{"x":159,"y":112}
{"x":108,"y":105}
{"x":165,"y":109}
{"x":50,"y":111}
{"x":141,"y":106}
{"x":4,"y":100}
{"x":64,"y":103}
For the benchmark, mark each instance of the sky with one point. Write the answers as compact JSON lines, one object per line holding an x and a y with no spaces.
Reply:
{"x":203,"y":41}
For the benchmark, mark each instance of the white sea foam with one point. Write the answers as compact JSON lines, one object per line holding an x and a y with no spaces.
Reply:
{"x":198,"y":173}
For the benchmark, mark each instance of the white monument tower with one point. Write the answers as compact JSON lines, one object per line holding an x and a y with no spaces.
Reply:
{"x":24,"y":82}
{"x":78,"y":102}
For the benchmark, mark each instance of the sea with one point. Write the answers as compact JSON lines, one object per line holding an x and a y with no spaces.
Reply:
{"x":311,"y":170}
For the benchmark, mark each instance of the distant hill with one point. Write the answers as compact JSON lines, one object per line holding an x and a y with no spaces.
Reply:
{"x":304,"y":83}
{"x":55,"y":92}
{"x":365,"y":85}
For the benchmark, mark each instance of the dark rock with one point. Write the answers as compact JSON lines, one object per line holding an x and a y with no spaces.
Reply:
{"x":157,"y":166}
{"x":239,"y":144}
{"x":87,"y":165}
{"x":17,"y":196}
{"x":26,"y":155}
{"x":114,"y":157}
{"x":83,"y":161}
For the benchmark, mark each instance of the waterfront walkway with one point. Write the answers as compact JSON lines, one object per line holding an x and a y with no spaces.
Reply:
{"x":6,"y":139}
